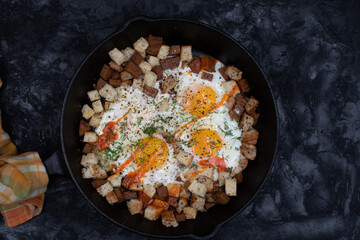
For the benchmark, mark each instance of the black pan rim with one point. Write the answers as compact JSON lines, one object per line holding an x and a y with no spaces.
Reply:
{"x":149,"y":19}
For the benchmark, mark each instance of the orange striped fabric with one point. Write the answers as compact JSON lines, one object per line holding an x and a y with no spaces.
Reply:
{"x":23,"y":183}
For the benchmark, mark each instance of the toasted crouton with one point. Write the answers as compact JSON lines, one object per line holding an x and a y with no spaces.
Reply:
{"x":198,"y":188}
{"x":83,"y":127}
{"x":206,"y":171}
{"x":93,"y":171}
{"x":150,"y":91}
{"x":87,"y":112}
{"x":197,"y":202}
{"x":163,"y":52}
{"x":135,"y":206}
{"x":186,"y":53}
{"x":137,"y":84}
{"x":229,"y":86}
{"x":174,"y":50}
{"x":93,"y":95}
{"x":249,"y":151}
{"x":154,"y":61}
{"x":182,"y":203}
{"x":104,"y":189}
{"x":141,"y":45}
{"x":246,"y":121}
{"x":243,"y":163}
{"x":106,"y":72}
{"x":191,"y":174}
{"x":239,"y":177}
{"x":168,"y":84}
{"x":98,"y":183}
{"x":97,"y":106}
{"x":116,"y":67}
{"x":150,"y":79}
{"x":90,"y":136}
{"x":230,"y":186}
{"x":145,"y":67}
{"x":115,"y":180}
{"x":222,"y":177}
{"x":208,"y":64}
{"x":168,"y":219}
{"x":174,"y":189}
{"x":152,"y":213}
{"x":230,"y":103}
{"x":133,"y":69}
{"x":125,"y":76}
{"x":136,"y":187}
{"x":154,"y":44}
{"x":233,"y":72}
{"x":95,"y":120}
{"x":250,"y":137}
{"x":162,"y":192}
{"x":221,"y":198}
{"x":190,"y":212}
{"x":207,"y":182}
{"x":234,"y":115}
{"x":128,"y":52}
{"x":149,"y":190}
{"x":170,"y":63}
{"x":251,"y":105}
{"x":137,"y":58}
{"x":244,"y":86}
{"x":111,"y":198}
{"x":108,"y":92}
{"x":184,"y":158}
{"x":89,"y":159}
{"x":163,"y":105}
{"x":117,"y":56}
{"x":115,"y":82}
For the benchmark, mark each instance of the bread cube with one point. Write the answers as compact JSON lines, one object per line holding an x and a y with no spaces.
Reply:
{"x":191,"y":174}
{"x":104,"y":189}
{"x":246,"y":121}
{"x":117,"y":56}
{"x":152,"y":213}
{"x":128,"y":52}
{"x":230,"y":103}
{"x":116,"y":67}
{"x":108,"y":92}
{"x":90,"y":136}
{"x":163,"y":52}
{"x":206,"y":171}
{"x":154,"y":61}
{"x":93,"y":171}
{"x":190,"y":212}
{"x":251,"y":105}
{"x":125,"y":76}
{"x":89,"y":159}
{"x":184,"y":194}
{"x":115,"y":180}
{"x":250,"y":137}
{"x":184,"y":158}
{"x":186,"y":53}
{"x":233,"y":72}
{"x":229,"y":85}
{"x":141,"y":45}
{"x":168,"y":219}
{"x":135,"y":206}
{"x":198,"y":188}
{"x":136,"y":187}
{"x":149,"y":190}
{"x":207,"y":182}
{"x":111,"y":198}
{"x":145,"y":67}
{"x":138,"y":84}
{"x":249,"y":151}
{"x":174,"y":189}
{"x":243,"y":163}
{"x":95,"y":120}
{"x":150,"y":79}
{"x":182,"y":203}
{"x":93,"y":95}
{"x":222,"y":177}
{"x":163,"y":105}
{"x":197,"y":202}
{"x":230,"y":186}
{"x":97,"y":106}
{"x":87,"y":111}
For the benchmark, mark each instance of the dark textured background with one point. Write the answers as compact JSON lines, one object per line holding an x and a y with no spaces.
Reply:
{"x":308,"y":50}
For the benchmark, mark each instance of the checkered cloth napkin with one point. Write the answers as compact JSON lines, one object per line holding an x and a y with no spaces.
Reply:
{"x":23,"y":182}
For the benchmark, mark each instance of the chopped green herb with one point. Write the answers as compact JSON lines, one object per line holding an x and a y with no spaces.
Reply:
{"x":150,"y":130}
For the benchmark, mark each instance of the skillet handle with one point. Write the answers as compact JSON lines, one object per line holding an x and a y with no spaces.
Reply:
{"x":55,"y":164}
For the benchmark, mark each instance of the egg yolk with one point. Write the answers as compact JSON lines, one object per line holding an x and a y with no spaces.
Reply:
{"x":205,"y":142}
{"x":199,"y":101}
{"x":151,"y":153}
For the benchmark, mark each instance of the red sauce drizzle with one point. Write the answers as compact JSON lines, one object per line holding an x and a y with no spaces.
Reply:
{"x":214,"y":161}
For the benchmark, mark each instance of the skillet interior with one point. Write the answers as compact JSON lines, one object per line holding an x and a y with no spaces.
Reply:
{"x":203,"y":39}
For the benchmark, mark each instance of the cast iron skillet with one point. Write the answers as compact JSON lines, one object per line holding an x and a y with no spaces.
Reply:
{"x":204,"y":39}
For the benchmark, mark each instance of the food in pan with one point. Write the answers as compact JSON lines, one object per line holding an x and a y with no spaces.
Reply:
{"x":167,"y":132}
